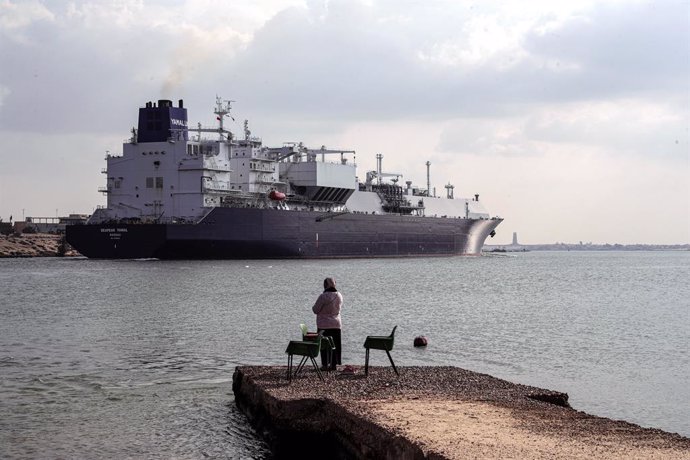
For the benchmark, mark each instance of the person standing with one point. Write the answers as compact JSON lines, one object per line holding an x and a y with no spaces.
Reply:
{"x":327,"y":309}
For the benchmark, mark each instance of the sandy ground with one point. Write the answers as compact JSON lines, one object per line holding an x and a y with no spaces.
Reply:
{"x":462,"y":429}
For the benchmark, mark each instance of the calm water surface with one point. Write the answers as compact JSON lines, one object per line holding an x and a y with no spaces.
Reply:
{"x":114,"y":359}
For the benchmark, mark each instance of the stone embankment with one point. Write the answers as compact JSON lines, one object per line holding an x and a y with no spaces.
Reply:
{"x":432,"y":413}
{"x":33,"y":245}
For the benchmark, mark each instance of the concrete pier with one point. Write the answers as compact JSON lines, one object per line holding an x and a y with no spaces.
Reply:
{"x":434,"y":413}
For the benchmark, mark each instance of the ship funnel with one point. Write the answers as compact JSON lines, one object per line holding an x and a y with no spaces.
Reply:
{"x":162,"y":123}
{"x":180,"y":104}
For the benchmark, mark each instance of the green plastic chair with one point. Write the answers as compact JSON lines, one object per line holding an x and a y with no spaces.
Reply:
{"x":327,"y":343}
{"x":308,"y":350}
{"x":379,"y":342}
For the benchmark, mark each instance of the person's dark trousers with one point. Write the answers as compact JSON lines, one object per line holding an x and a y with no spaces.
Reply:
{"x":335,"y":333}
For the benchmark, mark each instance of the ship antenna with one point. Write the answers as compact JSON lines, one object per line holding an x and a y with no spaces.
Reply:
{"x":222,"y":110}
{"x":247,"y":133}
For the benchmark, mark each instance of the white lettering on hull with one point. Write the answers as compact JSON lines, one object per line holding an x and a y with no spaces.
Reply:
{"x":114,"y":233}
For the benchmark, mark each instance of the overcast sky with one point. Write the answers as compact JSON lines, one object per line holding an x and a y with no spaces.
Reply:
{"x":569,"y":118}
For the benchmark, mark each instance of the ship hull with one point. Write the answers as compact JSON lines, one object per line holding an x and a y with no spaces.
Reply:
{"x":249,"y":233}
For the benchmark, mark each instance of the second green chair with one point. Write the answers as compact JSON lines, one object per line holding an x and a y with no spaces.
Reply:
{"x":380,"y":342}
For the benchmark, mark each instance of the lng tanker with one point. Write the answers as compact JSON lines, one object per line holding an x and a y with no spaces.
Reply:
{"x":177,"y":192}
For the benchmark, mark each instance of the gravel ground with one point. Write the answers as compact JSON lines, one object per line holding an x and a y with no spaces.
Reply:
{"x":456,"y":413}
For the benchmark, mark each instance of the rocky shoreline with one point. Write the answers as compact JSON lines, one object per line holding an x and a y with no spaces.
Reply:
{"x":34,"y":245}
{"x":432,"y":412}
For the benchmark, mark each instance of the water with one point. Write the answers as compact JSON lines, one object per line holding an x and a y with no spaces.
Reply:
{"x":134,"y":359}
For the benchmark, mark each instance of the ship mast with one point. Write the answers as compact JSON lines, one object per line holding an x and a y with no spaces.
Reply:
{"x":222,"y":110}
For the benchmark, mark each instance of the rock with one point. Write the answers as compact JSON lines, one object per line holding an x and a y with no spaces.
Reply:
{"x":34,"y":245}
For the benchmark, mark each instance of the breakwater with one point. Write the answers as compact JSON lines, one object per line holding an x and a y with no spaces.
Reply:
{"x":432,"y":412}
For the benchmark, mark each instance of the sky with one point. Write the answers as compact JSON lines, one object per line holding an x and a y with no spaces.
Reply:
{"x":570,"y":119}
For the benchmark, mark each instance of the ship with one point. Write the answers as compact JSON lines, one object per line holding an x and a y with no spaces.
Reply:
{"x":181,"y":192}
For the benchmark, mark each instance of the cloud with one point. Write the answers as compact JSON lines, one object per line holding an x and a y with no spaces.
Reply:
{"x":656,"y":131}
{"x":4,"y":92}
{"x":87,"y":67}
{"x":506,"y":99}
{"x":621,"y":48}
{"x":341,"y":60}
{"x":74,"y":69}
{"x":354,"y":62}
{"x":17,"y":18}
{"x":504,"y":137}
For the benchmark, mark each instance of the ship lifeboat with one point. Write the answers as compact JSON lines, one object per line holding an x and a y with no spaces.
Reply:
{"x":275,"y":195}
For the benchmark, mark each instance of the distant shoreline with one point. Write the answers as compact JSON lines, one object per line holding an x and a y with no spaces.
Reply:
{"x":584,"y":247}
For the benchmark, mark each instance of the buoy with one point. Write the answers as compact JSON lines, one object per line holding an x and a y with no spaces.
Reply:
{"x":420,"y":341}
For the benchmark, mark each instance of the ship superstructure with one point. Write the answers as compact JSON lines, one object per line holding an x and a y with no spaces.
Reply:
{"x":191,"y":192}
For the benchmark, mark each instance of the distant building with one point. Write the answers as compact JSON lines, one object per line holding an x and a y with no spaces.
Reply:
{"x":6,"y":228}
{"x":515,"y":246}
{"x":50,"y":224}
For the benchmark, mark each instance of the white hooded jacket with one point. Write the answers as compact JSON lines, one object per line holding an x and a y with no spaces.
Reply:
{"x":327,"y":307}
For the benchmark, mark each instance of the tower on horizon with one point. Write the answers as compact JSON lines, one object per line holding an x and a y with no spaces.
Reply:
{"x":515,"y":241}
